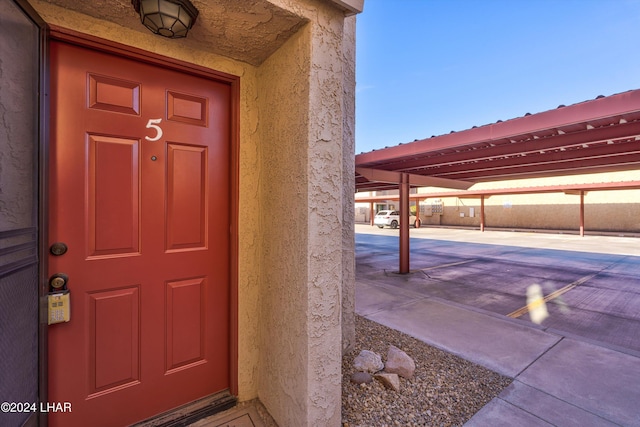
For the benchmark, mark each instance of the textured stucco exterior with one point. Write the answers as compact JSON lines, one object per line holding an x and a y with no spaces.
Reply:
{"x":304,"y":274}
{"x":348,"y":172}
{"x":17,"y":118}
{"x":295,"y":256}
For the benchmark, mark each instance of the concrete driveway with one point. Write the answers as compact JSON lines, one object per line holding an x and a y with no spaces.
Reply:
{"x":590,"y":284}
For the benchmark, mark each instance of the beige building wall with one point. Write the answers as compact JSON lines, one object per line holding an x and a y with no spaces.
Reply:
{"x":604,"y":210}
{"x":610,"y":210}
{"x":348,"y":183}
{"x":296,"y":265}
{"x":303,"y":188}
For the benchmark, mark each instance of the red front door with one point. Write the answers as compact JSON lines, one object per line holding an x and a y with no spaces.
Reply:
{"x":140,"y":194}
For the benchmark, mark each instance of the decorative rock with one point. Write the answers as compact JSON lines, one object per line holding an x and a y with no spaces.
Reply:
{"x":391,"y":381}
{"x":361,"y":378}
{"x":368,"y":361}
{"x":398,"y":362}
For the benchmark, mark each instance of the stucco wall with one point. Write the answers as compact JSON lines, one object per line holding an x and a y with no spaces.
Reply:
{"x":604,"y":210}
{"x":302,"y":143}
{"x":348,"y":178}
{"x":18,"y":113}
{"x":610,"y":210}
{"x":284,"y":275}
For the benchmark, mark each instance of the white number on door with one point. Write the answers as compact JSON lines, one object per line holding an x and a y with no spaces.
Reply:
{"x":153,"y":124}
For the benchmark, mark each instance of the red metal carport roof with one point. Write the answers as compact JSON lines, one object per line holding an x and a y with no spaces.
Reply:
{"x":593,"y":136}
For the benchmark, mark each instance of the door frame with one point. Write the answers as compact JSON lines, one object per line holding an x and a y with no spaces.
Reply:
{"x":95,"y":43}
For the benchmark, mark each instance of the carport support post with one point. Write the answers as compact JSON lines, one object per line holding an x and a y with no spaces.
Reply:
{"x":482,"y":213}
{"x":404,"y":223}
{"x":581,"y":213}
{"x":371,"y":213}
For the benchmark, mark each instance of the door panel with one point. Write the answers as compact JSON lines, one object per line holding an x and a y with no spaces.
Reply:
{"x":186,"y":197}
{"x":140,"y":193}
{"x":113,"y":196}
{"x":107,"y":93}
{"x":185,"y":317}
{"x":187,"y":108}
{"x":114,"y":339}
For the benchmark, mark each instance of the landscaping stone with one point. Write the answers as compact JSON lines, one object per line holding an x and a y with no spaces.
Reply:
{"x":368,"y":361}
{"x":399,"y":362}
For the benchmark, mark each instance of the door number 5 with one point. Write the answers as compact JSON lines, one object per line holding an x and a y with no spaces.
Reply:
{"x":153,"y":124}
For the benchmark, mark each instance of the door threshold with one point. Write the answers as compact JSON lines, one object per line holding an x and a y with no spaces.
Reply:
{"x":246,"y":414}
{"x":191,"y":412}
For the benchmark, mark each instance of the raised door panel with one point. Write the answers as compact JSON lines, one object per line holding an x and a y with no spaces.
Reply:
{"x":114,"y":340}
{"x":186,"y":197}
{"x":113,"y":209}
{"x":112,"y":94}
{"x":185,"y":323}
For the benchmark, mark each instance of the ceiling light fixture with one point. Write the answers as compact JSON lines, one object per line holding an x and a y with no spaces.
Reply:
{"x":168,"y":18}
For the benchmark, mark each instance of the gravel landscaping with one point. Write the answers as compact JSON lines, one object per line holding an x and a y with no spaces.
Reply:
{"x":445,"y":390}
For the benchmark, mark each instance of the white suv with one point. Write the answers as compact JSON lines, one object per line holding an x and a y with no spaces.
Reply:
{"x":391,"y":219}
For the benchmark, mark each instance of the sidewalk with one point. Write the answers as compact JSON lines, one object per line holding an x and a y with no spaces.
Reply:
{"x":558,"y":380}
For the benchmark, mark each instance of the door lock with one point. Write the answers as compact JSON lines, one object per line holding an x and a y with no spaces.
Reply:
{"x":58,"y":248}
{"x":59,"y":299}
{"x":58,"y":281}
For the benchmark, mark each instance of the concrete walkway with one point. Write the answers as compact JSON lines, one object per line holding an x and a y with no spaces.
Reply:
{"x":558,"y":380}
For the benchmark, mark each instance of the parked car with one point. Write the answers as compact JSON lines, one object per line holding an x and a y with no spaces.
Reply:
{"x":391,"y":219}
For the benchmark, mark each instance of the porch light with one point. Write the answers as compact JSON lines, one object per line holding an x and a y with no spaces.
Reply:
{"x":169,"y":18}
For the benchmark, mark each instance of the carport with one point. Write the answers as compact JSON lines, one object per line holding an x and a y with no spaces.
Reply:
{"x":601,"y":135}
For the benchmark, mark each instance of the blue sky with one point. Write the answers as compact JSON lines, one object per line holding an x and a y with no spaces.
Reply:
{"x":427,"y":67}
